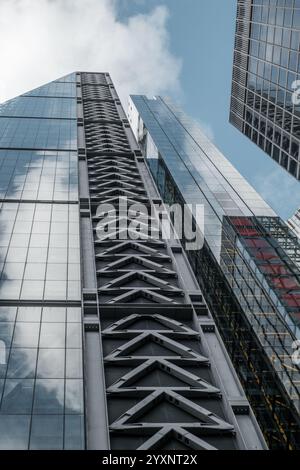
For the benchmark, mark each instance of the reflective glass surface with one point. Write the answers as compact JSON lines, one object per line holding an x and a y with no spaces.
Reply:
{"x":38,"y":133}
{"x":39,"y":251}
{"x":62,"y":108}
{"x":70,"y":78}
{"x":202,"y":174}
{"x":41,"y":379}
{"x":269,"y":51}
{"x":256,"y":262}
{"x":55,"y":89}
{"x":38,"y":175}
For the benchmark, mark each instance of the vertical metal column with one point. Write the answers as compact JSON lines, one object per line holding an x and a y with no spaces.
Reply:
{"x":97,"y":435}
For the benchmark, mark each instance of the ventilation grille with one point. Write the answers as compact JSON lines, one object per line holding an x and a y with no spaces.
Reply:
{"x":100,"y":111}
{"x":96,"y":92}
{"x":93,"y":79}
{"x":103,"y":138}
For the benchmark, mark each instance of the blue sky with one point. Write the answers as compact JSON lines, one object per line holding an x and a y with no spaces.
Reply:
{"x":183,"y":48}
{"x":202,"y":36}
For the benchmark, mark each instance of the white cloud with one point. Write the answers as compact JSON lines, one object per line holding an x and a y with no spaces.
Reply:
{"x":41,"y":40}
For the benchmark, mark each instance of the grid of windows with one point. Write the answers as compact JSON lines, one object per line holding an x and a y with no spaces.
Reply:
{"x":38,"y":175}
{"x":62,"y":108}
{"x":41,"y":388}
{"x":269,"y":115}
{"x":38,"y":133}
{"x":39,"y":251}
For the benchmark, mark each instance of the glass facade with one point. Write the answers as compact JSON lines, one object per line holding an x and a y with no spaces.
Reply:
{"x":248,"y":265}
{"x":33,"y":133}
{"x":200,"y":170}
{"x":265,"y":104}
{"x":38,"y":175}
{"x":39,"y":246}
{"x":42,"y":389}
{"x":41,"y":367}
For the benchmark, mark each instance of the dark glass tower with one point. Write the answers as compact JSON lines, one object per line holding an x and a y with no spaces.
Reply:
{"x":106,"y":342}
{"x":265,"y":104}
{"x":248,"y":266}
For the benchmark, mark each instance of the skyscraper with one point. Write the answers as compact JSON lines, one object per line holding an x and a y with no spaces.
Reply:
{"x":248,"y":266}
{"x":106,"y":339}
{"x":265,"y":102}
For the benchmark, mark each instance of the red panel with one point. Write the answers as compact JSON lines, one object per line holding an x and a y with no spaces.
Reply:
{"x":241,"y":221}
{"x":257,"y":243}
{"x":292,"y":300}
{"x":288,"y":283}
{"x":248,"y":232}
{"x":276,"y":269}
{"x":267,"y":254}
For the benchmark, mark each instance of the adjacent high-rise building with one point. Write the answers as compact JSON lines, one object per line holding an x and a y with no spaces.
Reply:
{"x":106,"y":340}
{"x":265,"y":102}
{"x":294,"y":223}
{"x":248,"y":267}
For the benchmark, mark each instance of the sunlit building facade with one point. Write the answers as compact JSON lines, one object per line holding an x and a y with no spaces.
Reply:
{"x":248,"y":266}
{"x":106,"y":342}
{"x":265,"y":101}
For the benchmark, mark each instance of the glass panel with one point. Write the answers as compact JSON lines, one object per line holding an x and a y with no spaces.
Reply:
{"x":74,"y":397}
{"x":29,"y":314}
{"x":52,"y":335}
{"x":73,"y":363}
{"x":74,"y":432}
{"x":51,"y":363}
{"x":22,"y":363}
{"x":14,"y":432}
{"x":49,"y":396}
{"x":46,"y":432}
{"x":74,"y":339}
{"x":8,"y":314}
{"x":26,"y":335}
{"x":54,"y":314}
{"x":17,"y":396}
